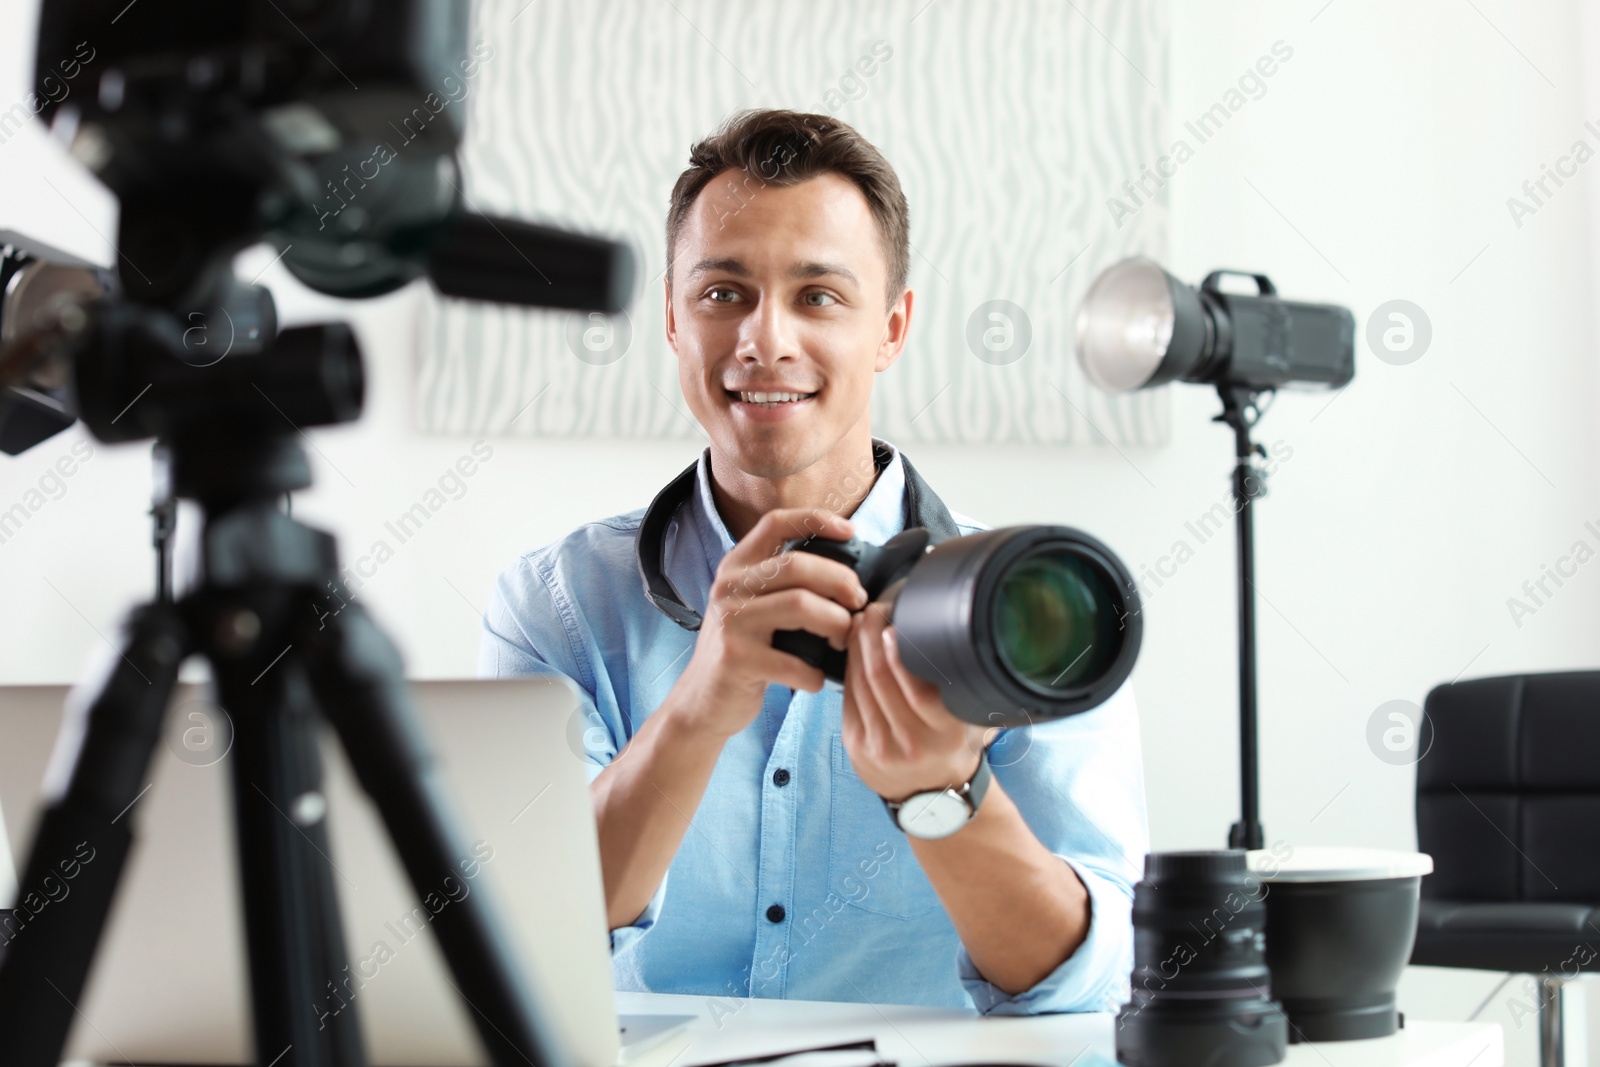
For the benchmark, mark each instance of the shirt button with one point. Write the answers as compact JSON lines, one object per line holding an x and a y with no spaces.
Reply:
{"x":780,"y":776}
{"x":775,"y":913}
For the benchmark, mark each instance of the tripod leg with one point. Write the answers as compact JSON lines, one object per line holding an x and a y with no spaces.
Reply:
{"x":82,"y":842}
{"x":298,"y":974}
{"x":361,"y":688}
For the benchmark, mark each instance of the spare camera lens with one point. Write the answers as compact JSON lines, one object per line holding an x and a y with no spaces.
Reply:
{"x":1202,"y":993}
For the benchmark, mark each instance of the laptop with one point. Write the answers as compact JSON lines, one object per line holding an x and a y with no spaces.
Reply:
{"x":170,"y":980}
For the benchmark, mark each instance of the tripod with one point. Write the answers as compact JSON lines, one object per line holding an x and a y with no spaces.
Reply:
{"x":278,"y":662}
{"x":218,"y":127}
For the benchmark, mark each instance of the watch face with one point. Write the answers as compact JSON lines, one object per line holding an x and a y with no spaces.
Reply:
{"x":933,"y":815}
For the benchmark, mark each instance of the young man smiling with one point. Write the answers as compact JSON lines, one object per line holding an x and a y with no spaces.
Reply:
{"x":745,"y":839}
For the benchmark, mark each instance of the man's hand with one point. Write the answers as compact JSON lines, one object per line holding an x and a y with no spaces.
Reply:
{"x":756,"y":591}
{"x":900,"y":736}
{"x":645,"y":798}
{"x":1018,"y":909}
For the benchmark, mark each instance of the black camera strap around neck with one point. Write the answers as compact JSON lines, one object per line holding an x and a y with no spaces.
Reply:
{"x":922,"y":508}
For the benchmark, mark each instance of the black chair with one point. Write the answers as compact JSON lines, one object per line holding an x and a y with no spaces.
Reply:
{"x":1508,"y":806}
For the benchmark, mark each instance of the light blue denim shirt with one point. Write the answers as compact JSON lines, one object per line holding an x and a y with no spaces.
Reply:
{"x":791,"y":880}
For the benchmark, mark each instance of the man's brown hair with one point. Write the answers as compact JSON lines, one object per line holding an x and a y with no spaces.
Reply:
{"x":776,"y":147}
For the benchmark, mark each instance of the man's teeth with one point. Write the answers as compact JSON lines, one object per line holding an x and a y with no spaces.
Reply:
{"x":771,"y":398}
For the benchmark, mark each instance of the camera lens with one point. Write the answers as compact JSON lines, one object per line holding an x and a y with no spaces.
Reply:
{"x":1201,"y":987}
{"x":1020,"y":624}
{"x":1055,"y":620}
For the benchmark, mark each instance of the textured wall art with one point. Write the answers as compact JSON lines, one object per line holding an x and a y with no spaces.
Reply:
{"x":1013,"y":128}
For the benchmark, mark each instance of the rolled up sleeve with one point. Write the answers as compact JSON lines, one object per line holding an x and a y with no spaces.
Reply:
{"x":525,"y":634}
{"x":1079,"y":784}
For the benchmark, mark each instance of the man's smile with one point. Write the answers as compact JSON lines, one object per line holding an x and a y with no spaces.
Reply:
{"x":768,"y":404}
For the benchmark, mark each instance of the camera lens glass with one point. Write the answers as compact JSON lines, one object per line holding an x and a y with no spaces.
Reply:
{"x":1055,"y":619}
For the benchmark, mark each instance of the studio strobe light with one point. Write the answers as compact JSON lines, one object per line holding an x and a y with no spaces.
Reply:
{"x":1140,"y":327}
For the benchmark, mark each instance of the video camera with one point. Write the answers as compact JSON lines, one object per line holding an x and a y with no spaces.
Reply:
{"x":326,"y":127}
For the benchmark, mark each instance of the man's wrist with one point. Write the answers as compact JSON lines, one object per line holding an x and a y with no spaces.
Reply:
{"x":704,"y":708}
{"x":961,"y":780}
{"x":687,"y":721}
{"x":689,"y":726}
{"x":936,"y":813}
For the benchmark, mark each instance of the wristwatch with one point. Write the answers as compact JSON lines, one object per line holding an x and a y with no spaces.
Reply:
{"x":939,"y":813}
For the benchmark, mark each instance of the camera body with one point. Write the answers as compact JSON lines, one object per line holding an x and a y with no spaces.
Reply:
{"x":321,"y":126}
{"x":877,"y":566}
{"x":327,"y":128}
{"x":169,"y":65}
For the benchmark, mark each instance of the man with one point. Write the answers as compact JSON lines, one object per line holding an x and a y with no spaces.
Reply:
{"x":745,"y":841}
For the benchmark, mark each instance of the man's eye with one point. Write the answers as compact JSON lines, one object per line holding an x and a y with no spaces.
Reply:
{"x":729,"y":294}
{"x":829,"y":297}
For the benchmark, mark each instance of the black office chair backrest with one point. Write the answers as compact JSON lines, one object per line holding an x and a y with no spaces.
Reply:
{"x":1508,"y":794}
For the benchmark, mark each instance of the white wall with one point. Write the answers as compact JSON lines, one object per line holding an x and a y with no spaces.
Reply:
{"x":1376,"y":166}
{"x":1393,"y":539}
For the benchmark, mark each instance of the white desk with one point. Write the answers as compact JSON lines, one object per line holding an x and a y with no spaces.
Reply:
{"x":918,"y":1037}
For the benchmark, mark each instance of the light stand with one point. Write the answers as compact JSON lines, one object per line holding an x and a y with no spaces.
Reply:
{"x":1240,"y":410}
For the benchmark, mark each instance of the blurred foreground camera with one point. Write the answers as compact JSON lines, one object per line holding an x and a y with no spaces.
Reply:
{"x":327,"y":128}
{"x":1014,"y":625}
{"x":331,"y":136}
{"x":42,"y":289}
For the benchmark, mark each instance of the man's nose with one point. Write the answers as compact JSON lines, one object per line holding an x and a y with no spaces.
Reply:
{"x":768,"y":333}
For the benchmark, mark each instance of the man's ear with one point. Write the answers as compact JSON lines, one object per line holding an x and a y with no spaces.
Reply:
{"x":895,"y":330}
{"x":671,"y":320}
